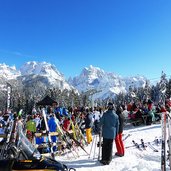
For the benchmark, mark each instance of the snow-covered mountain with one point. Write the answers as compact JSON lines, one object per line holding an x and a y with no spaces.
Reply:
{"x":44,"y":72}
{"x":92,"y":79}
{"x":40,"y":68}
{"x":34,"y":72}
{"x":7,"y":72}
{"x":106,"y":84}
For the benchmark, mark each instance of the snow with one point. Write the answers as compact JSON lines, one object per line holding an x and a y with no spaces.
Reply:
{"x":106,"y":83}
{"x":109,"y":83}
{"x":8,"y":72}
{"x":40,"y":68}
{"x":134,"y":159}
{"x":47,"y":70}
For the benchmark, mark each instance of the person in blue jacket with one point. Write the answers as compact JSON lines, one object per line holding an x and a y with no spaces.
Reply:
{"x":52,"y":128}
{"x":110,"y":126}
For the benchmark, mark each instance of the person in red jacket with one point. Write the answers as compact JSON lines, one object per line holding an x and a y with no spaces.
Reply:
{"x":66,"y":124}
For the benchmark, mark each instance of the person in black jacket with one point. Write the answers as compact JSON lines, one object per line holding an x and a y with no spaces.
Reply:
{"x":88,"y":125}
{"x":118,"y":140}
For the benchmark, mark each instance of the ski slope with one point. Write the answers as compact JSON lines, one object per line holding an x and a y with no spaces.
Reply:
{"x":134,"y":159}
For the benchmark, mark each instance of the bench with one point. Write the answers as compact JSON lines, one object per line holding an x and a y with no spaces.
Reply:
{"x":45,"y":134}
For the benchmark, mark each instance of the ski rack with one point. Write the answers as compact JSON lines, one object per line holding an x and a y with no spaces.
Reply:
{"x":65,"y":136}
{"x":8,"y":137}
{"x":48,"y":135}
{"x":44,"y":134}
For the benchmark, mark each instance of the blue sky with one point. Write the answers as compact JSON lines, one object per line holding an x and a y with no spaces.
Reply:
{"x":128,"y":37}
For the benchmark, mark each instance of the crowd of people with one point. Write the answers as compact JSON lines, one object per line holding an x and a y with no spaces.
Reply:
{"x":82,"y":122}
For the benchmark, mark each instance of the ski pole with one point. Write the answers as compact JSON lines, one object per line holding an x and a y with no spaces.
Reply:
{"x":92,"y":146}
{"x":100,"y":143}
{"x":95,"y":148}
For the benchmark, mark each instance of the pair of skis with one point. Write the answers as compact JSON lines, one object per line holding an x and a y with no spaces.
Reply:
{"x":50,"y":143}
{"x":136,"y":145}
{"x":76,"y":141}
{"x":157,"y":141}
{"x":152,"y":147}
{"x":143,"y":145}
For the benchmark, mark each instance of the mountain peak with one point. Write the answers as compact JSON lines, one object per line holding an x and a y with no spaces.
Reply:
{"x":8,"y":72}
{"x":45,"y":71}
{"x":93,"y":68}
{"x":39,"y":68}
{"x":92,"y":72}
{"x":108,"y":84}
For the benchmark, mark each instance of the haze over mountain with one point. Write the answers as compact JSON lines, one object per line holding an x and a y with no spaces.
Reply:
{"x":105,"y":84}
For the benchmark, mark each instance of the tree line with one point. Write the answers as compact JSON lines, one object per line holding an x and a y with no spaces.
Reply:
{"x":26,"y":96}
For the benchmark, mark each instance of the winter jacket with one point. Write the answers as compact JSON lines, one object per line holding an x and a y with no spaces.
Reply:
{"x":121,"y":121}
{"x":42,"y":125}
{"x":52,"y":125}
{"x":110,"y":124}
{"x":66,"y":124}
{"x":31,"y":126}
{"x":89,"y":121}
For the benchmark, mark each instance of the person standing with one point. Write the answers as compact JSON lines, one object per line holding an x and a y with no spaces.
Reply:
{"x":31,"y":128}
{"x":110,"y":126}
{"x":118,"y":140}
{"x":52,"y":128}
{"x":88,"y":125}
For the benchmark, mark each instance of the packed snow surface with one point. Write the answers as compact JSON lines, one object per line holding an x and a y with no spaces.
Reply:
{"x":134,"y":159}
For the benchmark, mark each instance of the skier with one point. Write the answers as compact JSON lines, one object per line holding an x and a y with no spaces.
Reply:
{"x":150,"y":112}
{"x":66,"y":124}
{"x":96,"y":115}
{"x":118,"y":139}
{"x":31,"y":128}
{"x":110,"y":126}
{"x":81,"y":123}
{"x":96,"y":120}
{"x":88,"y":124}
{"x":52,"y":128}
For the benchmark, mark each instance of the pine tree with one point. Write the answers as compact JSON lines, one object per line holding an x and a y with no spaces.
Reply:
{"x":154,"y":93}
{"x":146,"y":90}
{"x":162,"y":88}
{"x":168,"y":89}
